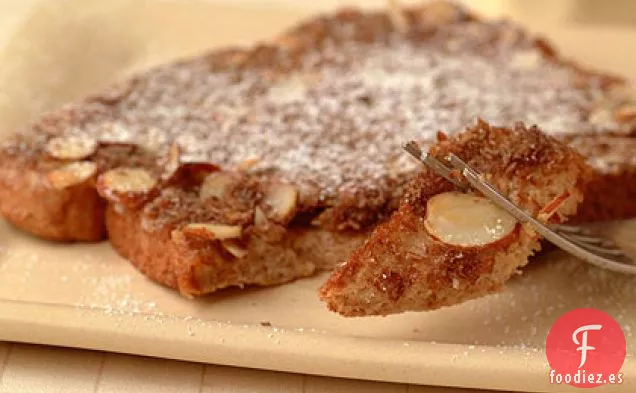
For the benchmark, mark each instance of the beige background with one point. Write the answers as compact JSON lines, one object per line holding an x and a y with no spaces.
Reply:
{"x":85,"y":296}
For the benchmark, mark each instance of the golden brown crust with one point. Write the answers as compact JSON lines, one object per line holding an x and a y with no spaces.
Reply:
{"x":348,"y":204}
{"x":199,"y":266}
{"x":402,"y":267}
{"x":32,"y":204}
{"x":339,"y":140}
{"x":69,"y":211}
{"x":610,"y":195}
{"x":518,"y":161}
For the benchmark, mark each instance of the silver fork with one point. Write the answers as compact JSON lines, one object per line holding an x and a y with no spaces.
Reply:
{"x":575,"y":240}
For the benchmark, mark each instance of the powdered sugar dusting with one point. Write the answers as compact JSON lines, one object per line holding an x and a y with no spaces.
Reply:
{"x":340,"y":118}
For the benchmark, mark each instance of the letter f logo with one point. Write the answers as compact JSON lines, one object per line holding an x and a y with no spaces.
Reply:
{"x":583,"y":343}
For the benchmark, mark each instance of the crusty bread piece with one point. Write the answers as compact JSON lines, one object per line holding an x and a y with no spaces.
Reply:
{"x":321,"y":110}
{"x":404,"y":266}
{"x":197,"y":266}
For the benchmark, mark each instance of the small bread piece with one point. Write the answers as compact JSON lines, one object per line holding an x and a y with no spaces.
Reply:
{"x":406,"y":265}
{"x":198,"y":248}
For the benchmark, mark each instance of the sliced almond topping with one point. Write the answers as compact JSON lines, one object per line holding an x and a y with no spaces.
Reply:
{"x":467,"y":220}
{"x":173,"y":160}
{"x":551,"y":207}
{"x":215,"y":185}
{"x":266,"y":229}
{"x":213,"y":231}
{"x":234,"y":248}
{"x":280,"y":201}
{"x":190,"y":173}
{"x":260,"y":219}
{"x":71,"y":174}
{"x":128,"y":180}
{"x":128,"y":186}
{"x":71,"y":147}
{"x":198,"y":171}
{"x":182,"y":168}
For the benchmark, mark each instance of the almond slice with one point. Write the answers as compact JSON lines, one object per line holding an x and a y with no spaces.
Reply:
{"x":128,"y":186}
{"x":266,"y":229}
{"x":215,"y":185}
{"x":190,"y":173}
{"x":234,"y":248}
{"x":466,"y":220}
{"x":213,"y":231}
{"x":181,"y":168}
{"x":71,"y":147}
{"x":173,"y":160}
{"x":281,"y":201}
{"x":71,"y":174}
{"x":260,"y":219}
{"x":551,"y":207}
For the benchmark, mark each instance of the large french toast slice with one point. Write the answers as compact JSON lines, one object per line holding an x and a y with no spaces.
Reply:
{"x":308,"y":128}
{"x":443,"y":247}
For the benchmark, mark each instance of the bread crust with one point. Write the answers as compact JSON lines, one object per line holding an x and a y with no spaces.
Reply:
{"x":348,"y":174}
{"x":29,"y":202}
{"x":195,"y":268}
{"x":610,"y":195}
{"x":351,"y":208}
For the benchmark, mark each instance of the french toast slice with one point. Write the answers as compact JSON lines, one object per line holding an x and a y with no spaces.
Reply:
{"x":443,"y":247}
{"x":321,"y":110}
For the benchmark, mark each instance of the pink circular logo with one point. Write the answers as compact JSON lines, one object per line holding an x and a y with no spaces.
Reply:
{"x":586,"y":348}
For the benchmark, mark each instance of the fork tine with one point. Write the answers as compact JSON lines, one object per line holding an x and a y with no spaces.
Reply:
{"x":568,"y":228}
{"x":414,"y":149}
{"x":434,"y":164}
{"x":589,"y":239}
{"x":595,"y":248}
{"x":575,"y":230}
